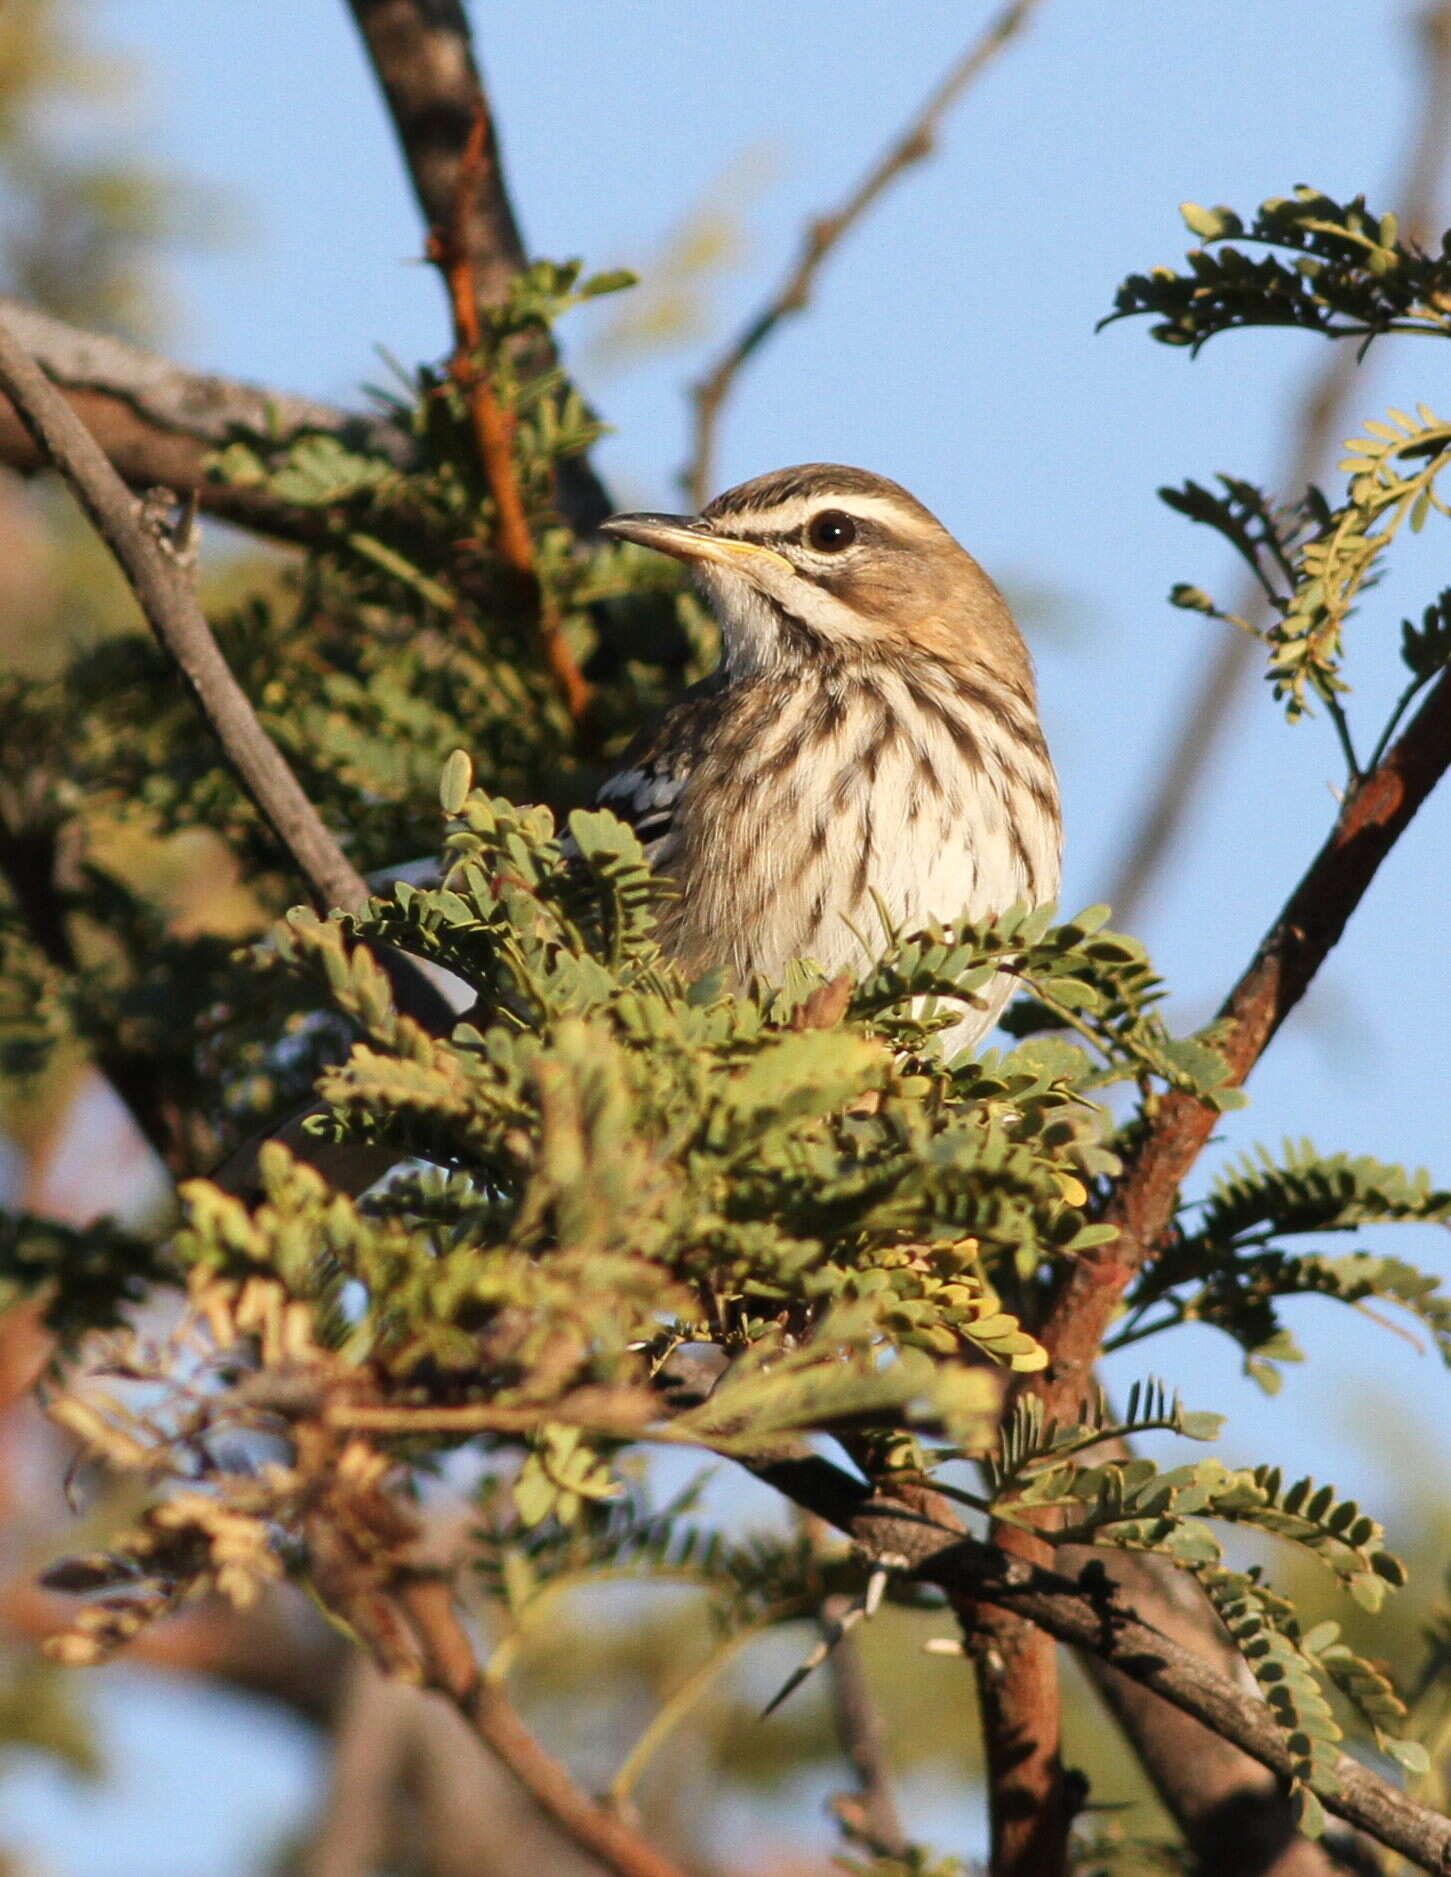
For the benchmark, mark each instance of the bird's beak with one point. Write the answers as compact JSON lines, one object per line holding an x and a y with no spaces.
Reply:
{"x":690,"y":539}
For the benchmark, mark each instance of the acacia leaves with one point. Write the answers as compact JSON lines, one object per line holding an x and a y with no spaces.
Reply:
{"x":598,"y":1109}
{"x":1227,"y":1267}
{"x":1353,"y":274}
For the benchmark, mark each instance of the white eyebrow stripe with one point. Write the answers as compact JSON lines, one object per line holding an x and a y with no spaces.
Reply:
{"x":785,"y":517}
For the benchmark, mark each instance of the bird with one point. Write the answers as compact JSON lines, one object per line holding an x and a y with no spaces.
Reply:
{"x":868,"y":753}
{"x":866,"y":757}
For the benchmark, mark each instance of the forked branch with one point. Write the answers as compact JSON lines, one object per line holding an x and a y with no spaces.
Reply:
{"x":924,"y":1539}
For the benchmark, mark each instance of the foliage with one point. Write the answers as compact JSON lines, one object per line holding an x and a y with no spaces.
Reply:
{"x":1226,"y":1269}
{"x":606,"y":1167}
{"x":1354,"y":275}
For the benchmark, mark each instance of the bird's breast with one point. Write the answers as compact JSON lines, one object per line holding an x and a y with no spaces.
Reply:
{"x":841,"y":811}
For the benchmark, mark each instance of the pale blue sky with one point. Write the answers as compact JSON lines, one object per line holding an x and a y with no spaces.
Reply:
{"x":951,"y":346}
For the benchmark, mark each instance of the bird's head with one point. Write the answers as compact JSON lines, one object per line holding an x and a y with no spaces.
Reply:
{"x":826,"y":564}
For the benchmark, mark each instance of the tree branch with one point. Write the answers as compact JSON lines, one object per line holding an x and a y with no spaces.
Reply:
{"x":161,"y":580}
{"x":422,"y":55}
{"x":451,"y":1667}
{"x":1373,"y":816}
{"x":1201,"y":725}
{"x":920,"y":1536}
{"x":1211,"y":1800}
{"x":160,"y":577}
{"x":825,"y":233}
{"x":493,"y":427}
{"x":1233,"y":1813}
{"x":158,"y":423}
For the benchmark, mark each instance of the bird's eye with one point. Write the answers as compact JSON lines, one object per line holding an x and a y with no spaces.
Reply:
{"x":830,"y":531}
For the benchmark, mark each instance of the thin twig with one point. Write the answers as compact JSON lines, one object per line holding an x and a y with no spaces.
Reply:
{"x":422,"y":56}
{"x":159,"y":572}
{"x":918,"y":1535}
{"x":859,"y":1729}
{"x":162,"y":582}
{"x":1180,"y":768}
{"x":451,"y":1667}
{"x":674,"y":1708}
{"x":862,"y":1738}
{"x":493,"y":426}
{"x":825,"y":233}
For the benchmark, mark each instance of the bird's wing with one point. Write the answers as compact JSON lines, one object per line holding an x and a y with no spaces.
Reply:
{"x":646,"y":795}
{"x":647,"y":792}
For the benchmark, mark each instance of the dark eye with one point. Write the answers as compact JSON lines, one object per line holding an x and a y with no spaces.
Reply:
{"x":830,"y":531}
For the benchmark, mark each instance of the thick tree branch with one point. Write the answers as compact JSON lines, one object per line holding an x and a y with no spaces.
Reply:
{"x":920,"y":1536}
{"x":422,"y":55}
{"x":1199,"y":729}
{"x":824,"y":235}
{"x":1373,"y":816}
{"x":1232,"y":1811}
{"x":158,"y":423}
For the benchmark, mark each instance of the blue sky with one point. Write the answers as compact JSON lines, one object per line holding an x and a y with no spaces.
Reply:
{"x":952,"y":346}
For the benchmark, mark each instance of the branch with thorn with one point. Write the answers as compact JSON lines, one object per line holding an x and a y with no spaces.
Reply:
{"x":918,"y":1533}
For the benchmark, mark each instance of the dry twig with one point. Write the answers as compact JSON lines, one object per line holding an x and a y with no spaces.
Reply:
{"x":826,"y":232}
{"x":159,"y":423}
